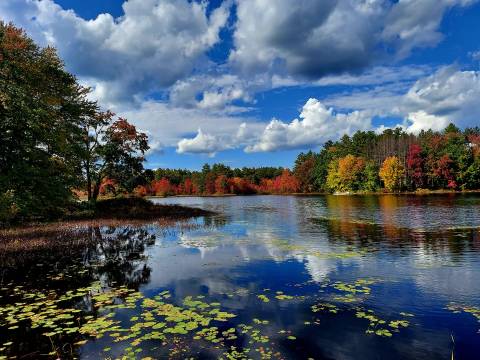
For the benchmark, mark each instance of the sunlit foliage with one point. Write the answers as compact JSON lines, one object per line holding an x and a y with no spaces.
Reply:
{"x":392,"y":173}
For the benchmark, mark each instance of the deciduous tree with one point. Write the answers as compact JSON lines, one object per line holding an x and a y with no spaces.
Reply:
{"x":392,"y":173}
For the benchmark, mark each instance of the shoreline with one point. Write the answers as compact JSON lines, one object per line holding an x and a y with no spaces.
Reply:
{"x":131,"y":209}
{"x":377,"y":193}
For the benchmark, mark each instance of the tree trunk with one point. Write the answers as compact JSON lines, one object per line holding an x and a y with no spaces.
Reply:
{"x":89,"y":182}
{"x":96,"y":191}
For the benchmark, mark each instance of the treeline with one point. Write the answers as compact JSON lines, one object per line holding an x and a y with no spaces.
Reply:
{"x":365,"y":162}
{"x":216,"y":179}
{"x":395,"y":161}
{"x":53,"y":138}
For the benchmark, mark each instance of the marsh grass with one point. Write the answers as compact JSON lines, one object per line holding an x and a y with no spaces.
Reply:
{"x":20,"y":243}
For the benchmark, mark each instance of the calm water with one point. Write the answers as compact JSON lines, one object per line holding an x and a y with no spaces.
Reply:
{"x":335,"y":277}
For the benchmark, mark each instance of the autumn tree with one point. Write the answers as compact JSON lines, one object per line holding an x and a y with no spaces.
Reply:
{"x":304,"y":171}
{"x":286,"y":183}
{"x":392,"y":173}
{"x":113,"y":149}
{"x":40,"y":105}
{"x":162,"y":187}
{"x":415,"y":163}
{"x":346,"y":173}
{"x":188,"y":188}
{"x":444,"y":172}
{"x":221,"y":184}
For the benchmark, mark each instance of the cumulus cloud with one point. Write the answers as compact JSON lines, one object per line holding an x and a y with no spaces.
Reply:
{"x":475,"y":55}
{"x":212,"y":92}
{"x":421,"y":120}
{"x":202,"y":143}
{"x":207,"y":143}
{"x":317,"y":38}
{"x":167,"y":125}
{"x":447,"y":95}
{"x":450,"y":93}
{"x":161,"y":47}
{"x":151,"y":46}
{"x":316,"y":125}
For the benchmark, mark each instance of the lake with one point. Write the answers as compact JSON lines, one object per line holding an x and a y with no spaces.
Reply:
{"x":281,"y":277}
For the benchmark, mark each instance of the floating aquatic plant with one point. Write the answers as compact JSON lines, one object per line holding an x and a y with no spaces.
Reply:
{"x":263,"y":298}
{"x":458,"y":308}
{"x":380,"y":326}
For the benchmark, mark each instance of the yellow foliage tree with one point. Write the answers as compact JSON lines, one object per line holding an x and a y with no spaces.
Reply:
{"x":345,"y":174}
{"x":391,"y":173}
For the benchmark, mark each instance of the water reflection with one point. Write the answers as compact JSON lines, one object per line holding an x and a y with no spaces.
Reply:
{"x":273,"y":259}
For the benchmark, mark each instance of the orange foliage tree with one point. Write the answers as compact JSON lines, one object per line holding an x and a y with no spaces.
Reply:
{"x":108,"y":186}
{"x":162,"y":187}
{"x":239,"y":185}
{"x":286,"y":183}
{"x":221,"y":184}
{"x":141,"y":191}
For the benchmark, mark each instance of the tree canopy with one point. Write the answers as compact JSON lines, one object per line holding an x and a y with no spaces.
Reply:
{"x":46,"y":141}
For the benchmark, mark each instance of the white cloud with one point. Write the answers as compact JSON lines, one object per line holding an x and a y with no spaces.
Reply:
{"x":317,"y":38}
{"x":447,"y":95}
{"x":316,"y":125}
{"x":378,"y":75}
{"x":202,"y":143}
{"x":170,"y":123}
{"x":475,"y":55}
{"x":420,"y":120}
{"x":160,"y":46}
{"x":207,"y":143}
{"x":212,"y":92}
{"x":151,"y":46}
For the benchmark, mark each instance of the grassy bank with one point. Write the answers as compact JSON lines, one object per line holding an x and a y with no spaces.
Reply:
{"x":132,"y":208}
{"x":83,"y":218}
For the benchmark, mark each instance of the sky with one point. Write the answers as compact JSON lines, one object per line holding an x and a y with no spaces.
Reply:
{"x":255,"y":82}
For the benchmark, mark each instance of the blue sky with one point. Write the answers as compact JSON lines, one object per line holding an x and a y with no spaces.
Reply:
{"x":254,"y":82}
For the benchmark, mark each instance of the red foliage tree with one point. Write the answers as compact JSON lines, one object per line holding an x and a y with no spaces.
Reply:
{"x":221,"y":184}
{"x":265,"y":186}
{"x":108,"y":186}
{"x":239,"y":186}
{"x":188,"y":187}
{"x":210,"y":184}
{"x":162,"y":187}
{"x":141,"y":191}
{"x":286,"y":183}
{"x":444,"y":171}
{"x":415,"y":164}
